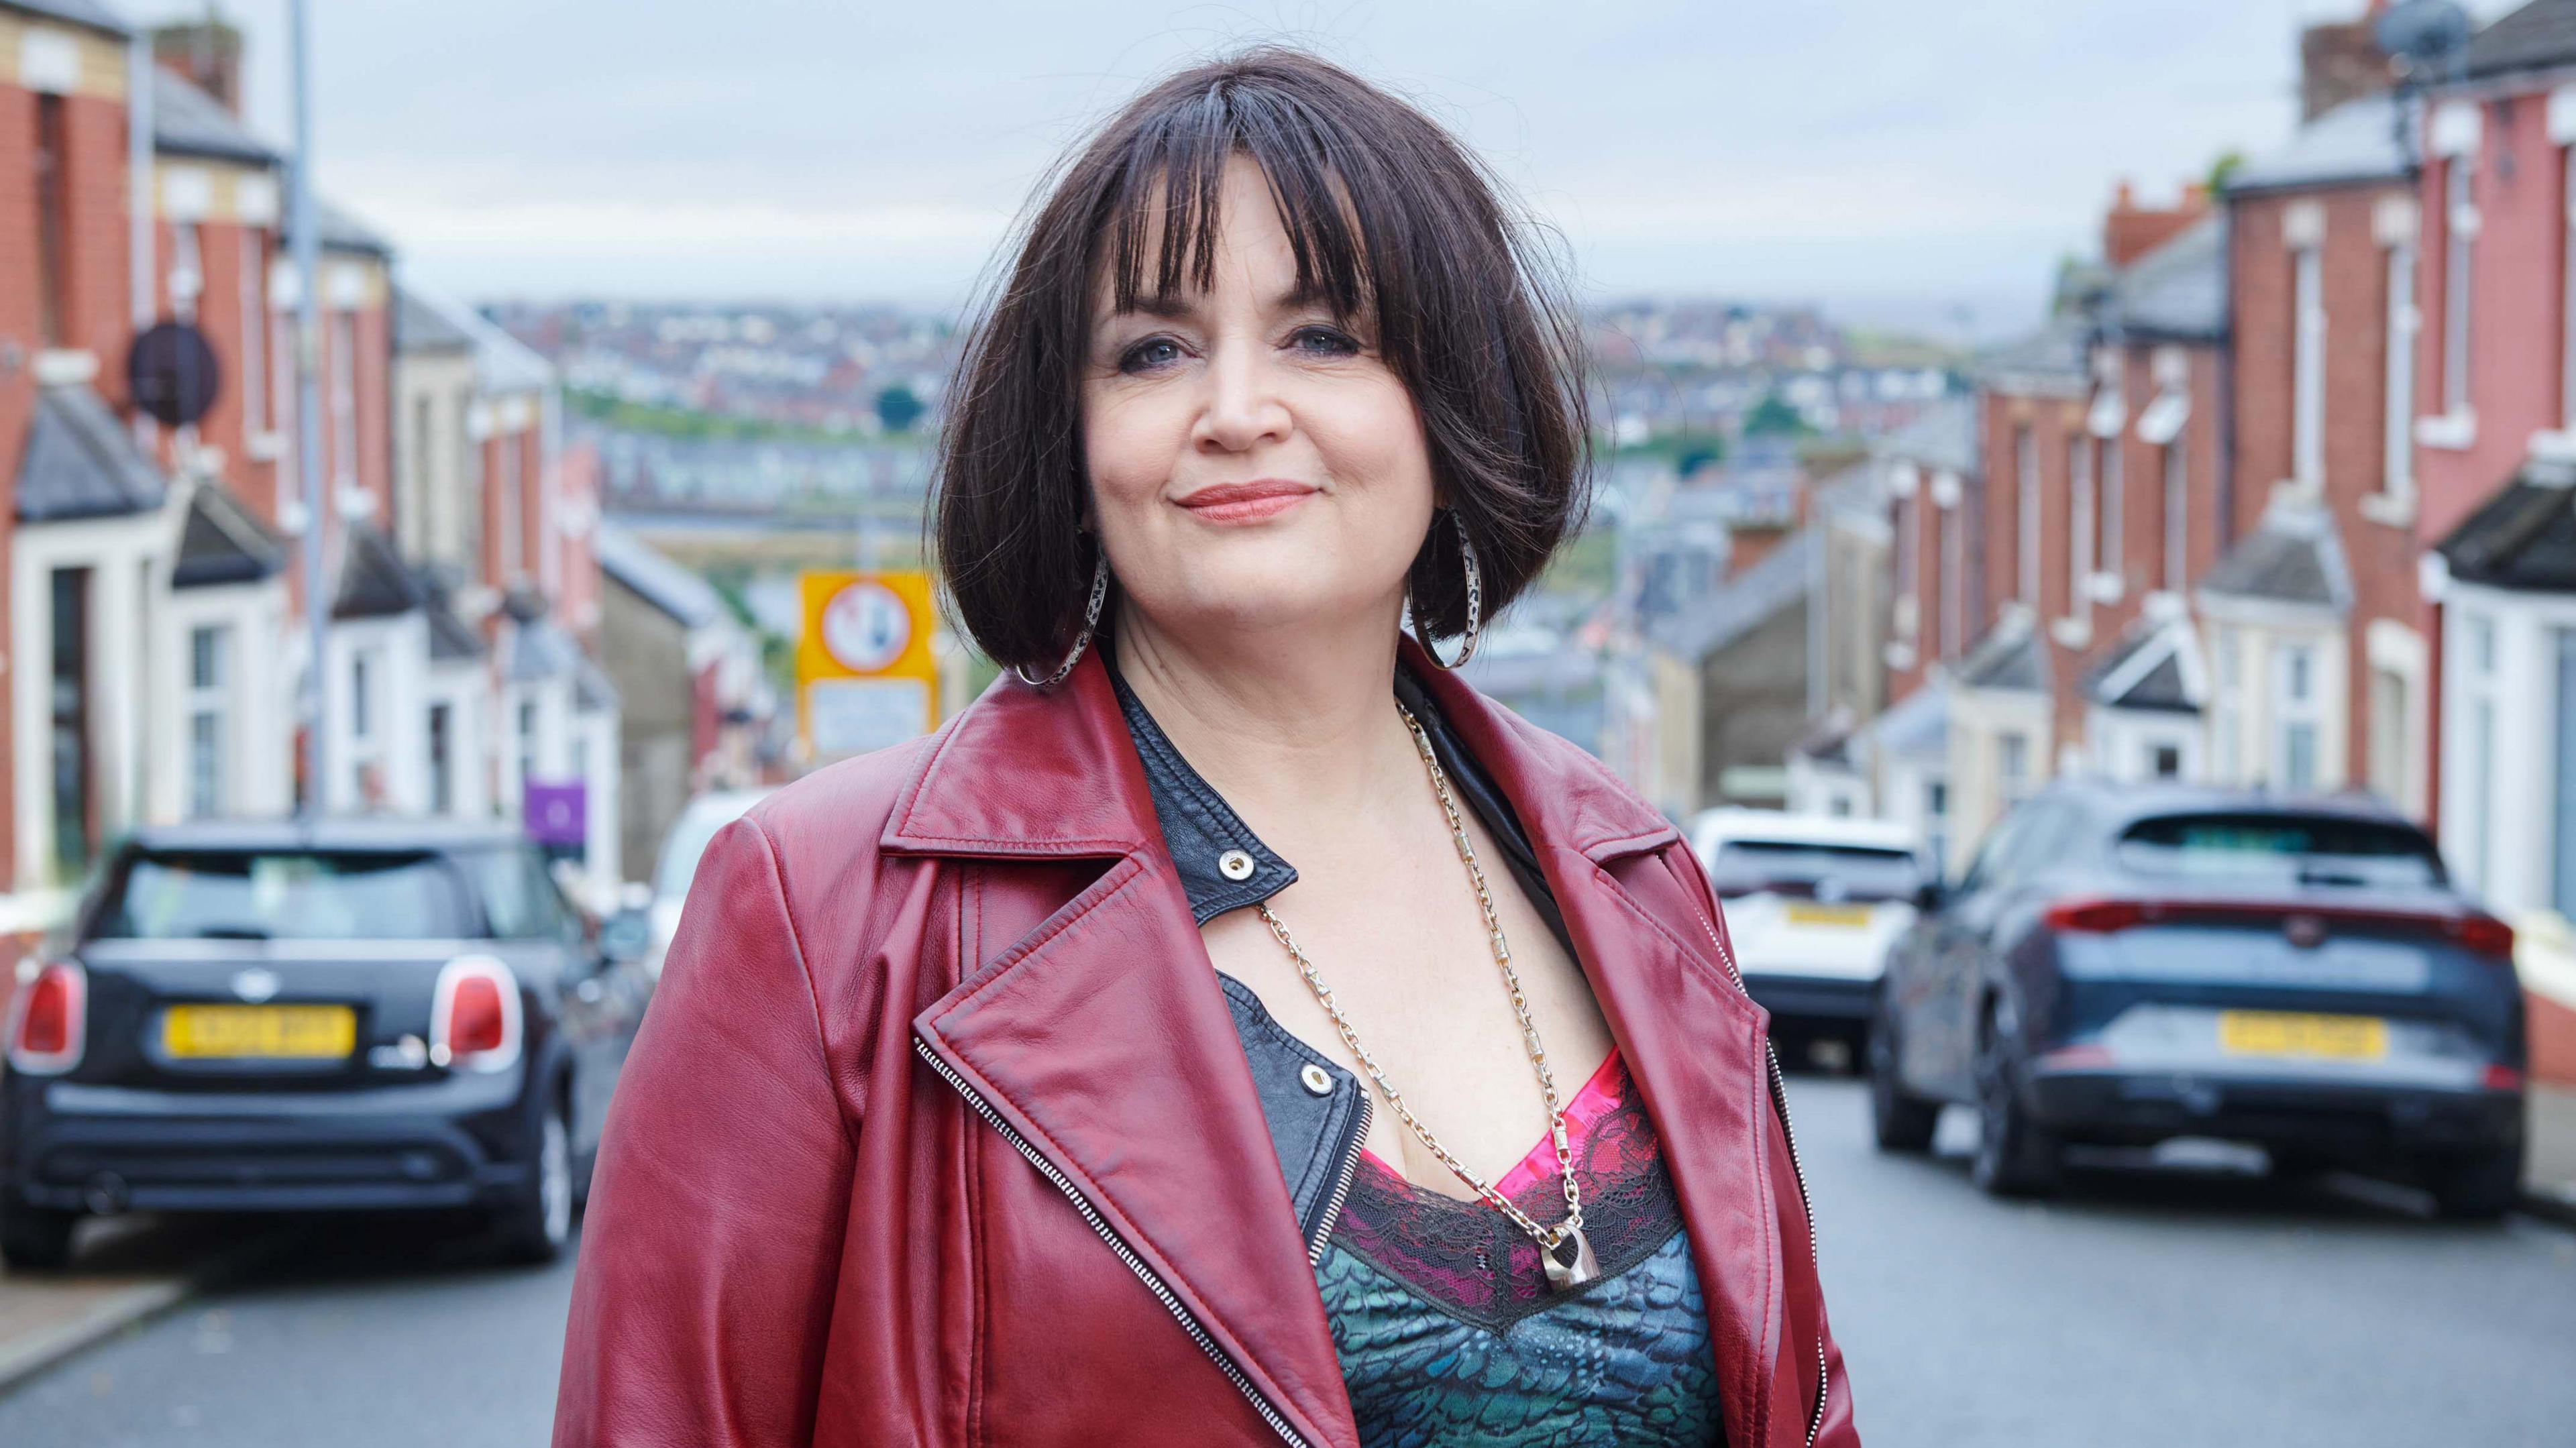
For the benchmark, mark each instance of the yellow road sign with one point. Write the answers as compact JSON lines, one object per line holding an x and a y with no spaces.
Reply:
{"x":866,"y":677}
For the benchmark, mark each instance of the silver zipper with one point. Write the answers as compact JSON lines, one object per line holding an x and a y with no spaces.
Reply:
{"x":1341,"y":1185}
{"x":1780,"y":1102}
{"x":1126,"y":1254}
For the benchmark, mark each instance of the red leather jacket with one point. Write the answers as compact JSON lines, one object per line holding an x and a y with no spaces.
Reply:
{"x":939,"y":1132}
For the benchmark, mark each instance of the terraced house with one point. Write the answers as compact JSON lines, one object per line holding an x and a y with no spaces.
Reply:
{"x":154,"y":648}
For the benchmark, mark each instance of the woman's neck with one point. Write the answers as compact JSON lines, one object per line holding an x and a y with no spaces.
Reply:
{"x":1289,"y":727}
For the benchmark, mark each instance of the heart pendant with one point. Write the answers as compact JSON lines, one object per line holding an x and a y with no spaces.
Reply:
{"x":1563,"y":1275}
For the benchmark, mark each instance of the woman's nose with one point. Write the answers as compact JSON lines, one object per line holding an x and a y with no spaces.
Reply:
{"x":1243,"y":405}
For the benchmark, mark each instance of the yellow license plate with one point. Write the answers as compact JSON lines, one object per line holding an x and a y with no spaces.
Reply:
{"x":2281,"y":1033}
{"x":1802,"y":912}
{"x":200,"y":1032}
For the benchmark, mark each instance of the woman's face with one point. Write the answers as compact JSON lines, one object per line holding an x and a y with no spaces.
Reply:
{"x":1254,"y":464}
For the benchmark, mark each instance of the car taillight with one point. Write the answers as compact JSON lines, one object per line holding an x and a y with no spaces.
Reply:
{"x":474,"y":1015}
{"x":2498,"y":1077}
{"x":2484,"y":934}
{"x":48,"y":1017}
{"x":2094,"y":917}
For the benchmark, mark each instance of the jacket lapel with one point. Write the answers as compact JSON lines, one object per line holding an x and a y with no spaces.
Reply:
{"x":1691,"y":1039}
{"x":1102,"y":1038}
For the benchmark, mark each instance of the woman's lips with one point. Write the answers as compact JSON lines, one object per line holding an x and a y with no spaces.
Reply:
{"x":1245,"y":502}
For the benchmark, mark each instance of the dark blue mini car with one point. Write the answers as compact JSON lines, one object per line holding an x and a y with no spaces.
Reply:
{"x":338,"y":1016}
{"x":2126,"y":964}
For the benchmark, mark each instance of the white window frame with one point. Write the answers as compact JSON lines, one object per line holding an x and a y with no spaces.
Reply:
{"x":2308,"y":368}
{"x":2294,"y":709}
{"x":2226,"y":724}
{"x":1954,"y":583}
{"x":2177,"y":470}
{"x":186,"y":277}
{"x":2478,"y":674}
{"x":2026,"y":517}
{"x":2397,"y":448}
{"x":254,"y":314}
{"x":344,"y":397}
{"x":2083,"y":544}
{"x":2111,"y":565}
{"x":512,"y":507}
{"x":209,"y":702}
{"x":2459,"y":242}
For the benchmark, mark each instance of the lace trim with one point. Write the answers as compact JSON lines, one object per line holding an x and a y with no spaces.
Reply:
{"x":1470,"y":1261}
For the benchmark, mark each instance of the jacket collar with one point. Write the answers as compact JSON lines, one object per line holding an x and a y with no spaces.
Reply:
{"x":1029,"y":774}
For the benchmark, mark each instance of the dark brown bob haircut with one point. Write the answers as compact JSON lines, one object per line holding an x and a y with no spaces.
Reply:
{"x":1397,"y":226}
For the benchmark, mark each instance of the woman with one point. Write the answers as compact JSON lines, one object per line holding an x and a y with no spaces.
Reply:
{"x":1012,"y":1087}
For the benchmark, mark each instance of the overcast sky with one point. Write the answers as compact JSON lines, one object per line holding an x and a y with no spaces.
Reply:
{"x":1899,"y":160}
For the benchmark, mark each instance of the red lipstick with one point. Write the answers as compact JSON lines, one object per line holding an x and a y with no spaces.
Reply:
{"x":1246,"y":502}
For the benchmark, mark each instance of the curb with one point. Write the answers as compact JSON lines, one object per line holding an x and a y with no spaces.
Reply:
{"x":2548,"y":1207}
{"x":33,"y":1354}
{"x":38,"y":1351}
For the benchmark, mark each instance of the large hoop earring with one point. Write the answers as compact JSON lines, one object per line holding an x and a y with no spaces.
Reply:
{"x":1082,"y":640}
{"x":1475,"y":603}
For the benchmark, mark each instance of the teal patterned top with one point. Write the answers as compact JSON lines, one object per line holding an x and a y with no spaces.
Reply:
{"x":1449,"y":1335}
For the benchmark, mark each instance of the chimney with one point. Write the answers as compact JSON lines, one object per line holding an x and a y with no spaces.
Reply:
{"x":2339,"y":61}
{"x":1750,"y":540}
{"x":206,"y":53}
{"x":2131,"y":231}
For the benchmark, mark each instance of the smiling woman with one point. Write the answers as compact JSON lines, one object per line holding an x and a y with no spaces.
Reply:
{"x":1012,"y":1087}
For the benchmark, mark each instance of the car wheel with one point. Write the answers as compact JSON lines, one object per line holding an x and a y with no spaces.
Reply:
{"x":1898,"y":1119}
{"x":2479,"y":1187}
{"x":536,"y":1227}
{"x":2016,"y":1157}
{"x":36,"y":1238}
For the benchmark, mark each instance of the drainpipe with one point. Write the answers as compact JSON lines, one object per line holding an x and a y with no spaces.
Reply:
{"x":141,"y":208}
{"x":308,"y":447}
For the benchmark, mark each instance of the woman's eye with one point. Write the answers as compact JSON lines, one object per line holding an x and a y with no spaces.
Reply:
{"x":1324,"y":342}
{"x":1149,"y":354}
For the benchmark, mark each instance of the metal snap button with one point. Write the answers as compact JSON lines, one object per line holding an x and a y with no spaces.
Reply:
{"x":1235,"y":865}
{"x":1315,"y":1079}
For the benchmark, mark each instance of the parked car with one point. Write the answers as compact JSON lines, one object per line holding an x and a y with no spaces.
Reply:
{"x":690,"y":835}
{"x":2124,"y":965}
{"x":281,"y":1016}
{"x":1813,"y":902}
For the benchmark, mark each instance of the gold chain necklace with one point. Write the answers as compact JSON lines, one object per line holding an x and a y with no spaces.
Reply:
{"x":1562,"y":1273}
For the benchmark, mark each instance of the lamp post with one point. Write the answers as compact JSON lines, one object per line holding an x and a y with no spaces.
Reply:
{"x":308,"y":408}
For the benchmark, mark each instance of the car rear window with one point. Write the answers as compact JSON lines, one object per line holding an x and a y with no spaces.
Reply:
{"x":286,"y":895}
{"x":2281,"y":849}
{"x":1790,"y":867}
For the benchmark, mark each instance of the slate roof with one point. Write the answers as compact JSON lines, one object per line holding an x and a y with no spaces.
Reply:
{"x":421,"y":327}
{"x":450,"y":637}
{"x":502,"y":363}
{"x":2523,"y":538}
{"x":187,"y":121}
{"x":1917,"y":723}
{"x":2161,"y":688}
{"x":2178,"y":290}
{"x":591,"y":686}
{"x":2292,"y":557}
{"x":2009,"y":656}
{"x":78,"y":12}
{"x":1744,"y":603}
{"x":222,"y":542}
{"x":1945,"y":436}
{"x":540,"y":649}
{"x":656,"y":579}
{"x":2356,"y":141}
{"x":374,"y":581}
{"x":338,"y":230}
{"x":81,"y":462}
{"x":2535,"y":37}
{"x":2051,"y":358}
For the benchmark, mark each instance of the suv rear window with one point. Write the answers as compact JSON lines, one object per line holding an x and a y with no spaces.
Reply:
{"x":2281,"y":849}
{"x":286,"y":895}
{"x":1790,"y":867}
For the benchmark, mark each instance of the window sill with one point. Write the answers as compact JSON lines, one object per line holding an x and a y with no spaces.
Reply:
{"x":2074,"y":633}
{"x":264,"y":447}
{"x":64,"y":367}
{"x":2395,"y":510}
{"x":2454,"y":432}
{"x":2104,"y":587}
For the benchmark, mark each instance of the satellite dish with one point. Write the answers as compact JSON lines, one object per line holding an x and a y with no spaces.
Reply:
{"x":172,"y":374}
{"x":2423,"y":33}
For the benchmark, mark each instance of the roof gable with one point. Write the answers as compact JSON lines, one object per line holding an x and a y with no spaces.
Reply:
{"x":81,"y":462}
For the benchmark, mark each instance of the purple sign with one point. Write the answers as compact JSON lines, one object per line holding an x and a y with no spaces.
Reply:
{"x":554,"y":813}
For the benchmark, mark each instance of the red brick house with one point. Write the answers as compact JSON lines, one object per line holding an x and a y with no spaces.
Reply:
{"x":2316,"y":626}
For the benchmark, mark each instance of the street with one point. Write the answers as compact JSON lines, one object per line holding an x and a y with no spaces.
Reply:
{"x":2161,"y":1307}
